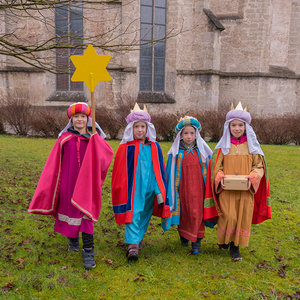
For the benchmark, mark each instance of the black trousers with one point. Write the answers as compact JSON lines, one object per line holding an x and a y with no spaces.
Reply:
{"x":87,"y":240}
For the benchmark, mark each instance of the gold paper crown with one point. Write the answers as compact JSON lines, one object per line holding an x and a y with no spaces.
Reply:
{"x":186,"y":117}
{"x":137,"y":108}
{"x":239,"y":107}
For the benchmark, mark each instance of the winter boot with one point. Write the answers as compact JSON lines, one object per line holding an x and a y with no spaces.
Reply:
{"x":184,"y":241}
{"x":88,"y":258}
{"x":196,"y":247}
{"x":133,"y":252}
{"x":73,"y":244}
{"x":234,"y":252}
{"x":223,"y":247}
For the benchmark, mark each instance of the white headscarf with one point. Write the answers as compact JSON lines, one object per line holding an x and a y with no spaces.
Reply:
{"x":89,"y":124}
{"x":204,"y":149}
{"x":128,"y":133}
{"x":225,"y":141}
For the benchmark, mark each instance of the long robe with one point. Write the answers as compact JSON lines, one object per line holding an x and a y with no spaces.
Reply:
{"x":69,"y":219}
{"x":86,"y":184}
{"x":235,"y":211}
{"x":127,"y":176}
{"x":186,"y":189}
{"x":146,"y":188}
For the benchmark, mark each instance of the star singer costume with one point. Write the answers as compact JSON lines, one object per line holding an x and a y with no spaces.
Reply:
{"x":138,"y":182}
{"x":71,"y":182}
{"x":186,"y":174}
{"x":235,"y":211}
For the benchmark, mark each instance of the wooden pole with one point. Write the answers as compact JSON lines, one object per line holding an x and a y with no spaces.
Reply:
{"x":93,"y":113}
{"x":93,"y":105}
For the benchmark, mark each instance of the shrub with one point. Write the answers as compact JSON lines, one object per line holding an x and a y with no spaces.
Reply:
{"x":124,"y":107}
{"x":23,"y":119}
{"x":112,"y":120}
{"x":16,"y":112}
{"x":2,"y":130}
{"x":48,"y":122}
{"x":277,"y":130}
{"x":108,"y":120}
{"x":164,"y":125}
{"x":212,"y":121}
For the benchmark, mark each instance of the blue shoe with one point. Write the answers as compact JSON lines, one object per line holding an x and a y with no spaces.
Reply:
{"x":88,"y":259}
{"x":196,"y":247}
{"x":73,"y":244}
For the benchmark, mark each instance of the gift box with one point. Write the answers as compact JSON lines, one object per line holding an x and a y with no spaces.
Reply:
{"x":236,"y":182}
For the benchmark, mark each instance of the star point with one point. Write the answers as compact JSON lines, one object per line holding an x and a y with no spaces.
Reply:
{"x":90,"y":67}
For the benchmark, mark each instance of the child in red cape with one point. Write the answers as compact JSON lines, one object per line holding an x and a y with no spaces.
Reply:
{"x":187,"y":166}
{"x":138,"y":178}
{"x":71,"y":182}
{"x":237,"y":153}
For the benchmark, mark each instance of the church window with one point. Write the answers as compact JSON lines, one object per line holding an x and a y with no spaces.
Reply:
{"x":152,"y":54}
{"x":69,"y":30}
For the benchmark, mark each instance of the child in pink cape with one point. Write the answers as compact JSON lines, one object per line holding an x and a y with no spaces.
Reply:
{"x":71,"y":182}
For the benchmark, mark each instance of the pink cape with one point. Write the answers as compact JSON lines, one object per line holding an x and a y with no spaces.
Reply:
{"x":87,"y":195}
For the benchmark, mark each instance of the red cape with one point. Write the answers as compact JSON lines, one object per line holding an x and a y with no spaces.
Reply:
{"x":87,"y":193}
{"x":124,"y":177}
{"x":262,"y":200}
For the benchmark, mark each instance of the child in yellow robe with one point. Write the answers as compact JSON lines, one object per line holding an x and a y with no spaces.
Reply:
{"x":237,"y":153}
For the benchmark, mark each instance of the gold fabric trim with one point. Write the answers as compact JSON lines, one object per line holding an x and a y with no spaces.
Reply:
{"x":176,"y":213}
{"x":70,"y":221}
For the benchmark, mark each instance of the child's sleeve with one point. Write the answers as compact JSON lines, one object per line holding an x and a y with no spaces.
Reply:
{"x":220,"y":174}
{"x":257,"y":172}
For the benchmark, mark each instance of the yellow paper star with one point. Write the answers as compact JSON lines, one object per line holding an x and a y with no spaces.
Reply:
{"x":90,"y":67}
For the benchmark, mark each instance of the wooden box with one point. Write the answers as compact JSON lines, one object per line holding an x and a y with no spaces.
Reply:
{"x":236,"y":182}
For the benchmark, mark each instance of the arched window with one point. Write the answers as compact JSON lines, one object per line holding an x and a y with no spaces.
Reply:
{"x":152,"y":55}
{"x":69,"y":30}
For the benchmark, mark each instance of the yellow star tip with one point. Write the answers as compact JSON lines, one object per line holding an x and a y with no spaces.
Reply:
{"x":90,"y":67}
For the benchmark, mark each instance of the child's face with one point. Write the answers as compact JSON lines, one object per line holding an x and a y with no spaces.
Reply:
{"x":79,"y":122}
{"x":188,"y":134}
{"x":139,"y":130}
{"x":237,"y":128}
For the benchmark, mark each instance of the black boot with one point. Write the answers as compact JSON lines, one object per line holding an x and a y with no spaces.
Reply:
{"x":73,"y":244}
{"x":88,"y":258}
{"x":234,"y":252}
{"x":184,"y":241}
{"x":196,"y":247}
{"x":223,"y":247}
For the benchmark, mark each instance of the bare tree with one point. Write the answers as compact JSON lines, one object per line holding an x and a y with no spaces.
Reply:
{"x":44,"y":33}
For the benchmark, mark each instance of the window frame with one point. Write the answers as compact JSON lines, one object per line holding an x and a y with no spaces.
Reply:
{"x":152,"y":55}
{"x":68,"y":29}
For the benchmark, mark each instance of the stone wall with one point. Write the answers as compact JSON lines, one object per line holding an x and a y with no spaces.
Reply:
{"x":256,"y":59}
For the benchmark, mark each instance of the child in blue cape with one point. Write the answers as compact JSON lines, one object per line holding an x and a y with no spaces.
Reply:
{"x":138,"y":180}
{"x":187,"y":166}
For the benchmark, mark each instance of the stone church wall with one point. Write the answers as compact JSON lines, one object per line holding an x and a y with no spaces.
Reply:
{"x":256,"y":59}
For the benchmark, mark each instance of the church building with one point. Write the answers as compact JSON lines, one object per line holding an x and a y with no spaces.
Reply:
{"x":205,"y":52}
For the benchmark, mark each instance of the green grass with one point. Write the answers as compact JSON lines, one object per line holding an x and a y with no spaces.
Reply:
{"x":35,"y":264}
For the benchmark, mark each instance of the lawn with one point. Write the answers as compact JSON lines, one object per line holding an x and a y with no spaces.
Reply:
{"x":35,"y":263}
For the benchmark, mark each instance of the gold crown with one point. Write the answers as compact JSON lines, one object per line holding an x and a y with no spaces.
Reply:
{"x":184,"y":118}
{"x":239,"y":107}
{"x":137,"y":108}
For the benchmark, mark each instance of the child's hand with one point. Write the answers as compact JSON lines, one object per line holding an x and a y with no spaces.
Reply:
{"x":222,"y":182}
{"x":249,"y":182}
